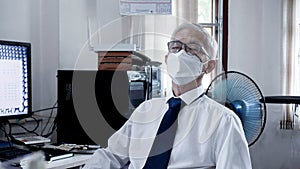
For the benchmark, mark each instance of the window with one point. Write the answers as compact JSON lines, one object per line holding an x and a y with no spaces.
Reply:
{"x":150,"y":33}
{"x":290,"y":72}
{"x":296,"y":73}
{"x":156,"y":29}
{"x":212,"y":14}
{"x":291,"y":47}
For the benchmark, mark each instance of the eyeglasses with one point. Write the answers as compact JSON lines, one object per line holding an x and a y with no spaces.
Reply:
{"x":191,"y":48}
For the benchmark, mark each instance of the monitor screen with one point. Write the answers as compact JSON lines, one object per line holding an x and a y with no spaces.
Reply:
{"x":15,"y":80}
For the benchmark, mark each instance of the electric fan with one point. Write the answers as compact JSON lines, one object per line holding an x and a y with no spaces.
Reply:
{"x":240,"y":93}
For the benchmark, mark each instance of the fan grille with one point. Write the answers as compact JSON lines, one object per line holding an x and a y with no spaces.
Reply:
{"x":240,"y":93}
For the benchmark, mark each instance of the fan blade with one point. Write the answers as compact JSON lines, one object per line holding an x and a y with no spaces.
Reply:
{"x":239,"y":93}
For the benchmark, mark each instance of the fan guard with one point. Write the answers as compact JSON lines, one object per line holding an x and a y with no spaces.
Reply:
{"x":240,"y":93}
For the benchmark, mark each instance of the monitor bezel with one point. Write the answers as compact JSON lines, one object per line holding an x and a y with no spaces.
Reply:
{"x":28,"y":55}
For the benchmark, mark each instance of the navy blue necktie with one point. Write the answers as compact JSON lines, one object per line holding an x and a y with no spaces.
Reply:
{"x":162,"y":145}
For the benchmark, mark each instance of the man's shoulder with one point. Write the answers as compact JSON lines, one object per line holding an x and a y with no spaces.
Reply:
{"x":218,"y":107}
{"x":153,"y":101}
{"x":227,"y":115}
{"x":220,"y":111}
{"x":152,"y":107}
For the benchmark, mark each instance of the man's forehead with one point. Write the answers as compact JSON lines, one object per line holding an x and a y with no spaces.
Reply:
{"x":189,"y":35}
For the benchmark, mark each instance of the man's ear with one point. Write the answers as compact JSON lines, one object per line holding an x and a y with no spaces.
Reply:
{"x":166,"y":57}
{"x":210,"y":66}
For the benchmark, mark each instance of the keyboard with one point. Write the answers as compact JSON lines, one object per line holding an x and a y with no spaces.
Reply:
{"x":8,"y":153}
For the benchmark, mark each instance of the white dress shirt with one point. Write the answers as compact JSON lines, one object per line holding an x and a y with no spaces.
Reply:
{"x":208,"y":136}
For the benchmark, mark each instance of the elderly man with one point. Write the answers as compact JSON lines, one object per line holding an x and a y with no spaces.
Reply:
{"x":201,"y":132}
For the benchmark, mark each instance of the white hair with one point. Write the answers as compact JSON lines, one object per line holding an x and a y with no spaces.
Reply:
{"x":209,"y":43}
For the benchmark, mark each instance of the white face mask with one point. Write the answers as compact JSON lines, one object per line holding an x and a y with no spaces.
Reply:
{"x":183,"y":68}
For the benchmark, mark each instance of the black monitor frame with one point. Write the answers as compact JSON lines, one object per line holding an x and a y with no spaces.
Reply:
{"x":27,"y":45}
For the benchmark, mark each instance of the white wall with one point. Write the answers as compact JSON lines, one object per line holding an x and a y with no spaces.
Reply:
{"x":73,"y":35}
{"x":254,"y":41}
{"x":36,"y":22}
{"x":105,"y":27}
{"x":254,"y":49}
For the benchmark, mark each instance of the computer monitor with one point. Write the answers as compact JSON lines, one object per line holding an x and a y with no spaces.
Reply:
{"x":15,"y":80}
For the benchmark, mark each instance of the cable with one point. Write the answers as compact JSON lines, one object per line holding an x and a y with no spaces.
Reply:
{"x":12,"y":159}
{"x":29,"y":131}
{"x":8,"y":140}
{"x":42,"y":132}
{"x":49,"y":108}
{"x":37,"y":121}
{"x":6,"y":135}
{"x":54,"y":125}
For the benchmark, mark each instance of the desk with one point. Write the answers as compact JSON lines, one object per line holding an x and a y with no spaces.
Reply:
{"x":77,"y":160}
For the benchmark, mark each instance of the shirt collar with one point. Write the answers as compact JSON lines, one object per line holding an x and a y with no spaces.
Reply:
{"x":189,"y":96}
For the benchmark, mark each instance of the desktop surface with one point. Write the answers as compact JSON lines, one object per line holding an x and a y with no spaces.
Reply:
{"x":75,"y":161}
{"x":11,"y":156}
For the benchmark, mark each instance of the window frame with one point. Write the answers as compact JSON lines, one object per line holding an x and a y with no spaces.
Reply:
{"x":219,"y":25}
{"x":219,"y":30}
